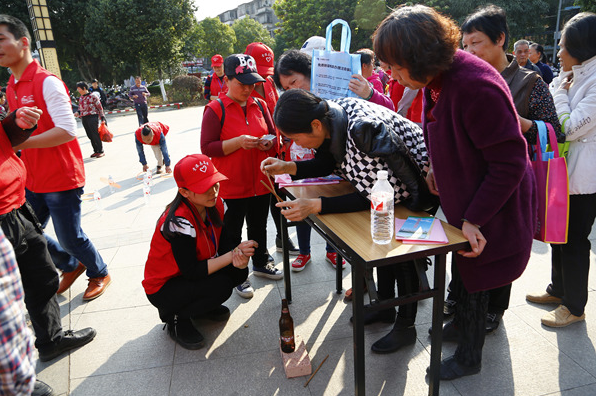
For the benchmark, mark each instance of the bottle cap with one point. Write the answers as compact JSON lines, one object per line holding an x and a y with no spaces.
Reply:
{"x":382,"y":174}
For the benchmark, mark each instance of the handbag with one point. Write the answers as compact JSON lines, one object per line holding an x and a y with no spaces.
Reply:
{"x":332,"y":71}
{"x":552,"y":183}
{"x":104,"y":134}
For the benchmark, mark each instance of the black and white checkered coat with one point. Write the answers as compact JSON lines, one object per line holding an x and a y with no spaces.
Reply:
{"x":379,"y":139}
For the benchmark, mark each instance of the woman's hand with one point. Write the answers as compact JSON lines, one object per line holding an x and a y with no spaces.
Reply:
{"x":248,"y":247}
{"x":265,"y":145}
{"x":360,"y":86}
{"x":566,"y":83}
{"x":27,"y":117}
{"x":430,"y":182}
{"x":275,"y":166}
{"x":299,"y":209}
{"x":474,"y":236}
{"x":241,"y":254}
{"x":248,"y":142}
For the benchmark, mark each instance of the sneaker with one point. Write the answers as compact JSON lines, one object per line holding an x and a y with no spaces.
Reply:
{"x":448,"y":308}
{"x":268,"y":271}
{"x":300,"y":262}
{"x":184,"y":333}
{"x":292,"y":249}
{"x":561,"y":317}
{"x":99,"y":155}
{"x":158,"y":170}
{"x":492,"y":322}
{"x":332,"y":258}
{"x":543,"y":298}
{"x":245,"y":290}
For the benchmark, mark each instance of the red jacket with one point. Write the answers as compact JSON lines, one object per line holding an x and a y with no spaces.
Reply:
{"x":161,"y":264}
{"x":242,"y":167}
{"x":157,"y":127}
{"x":50,"y":169}
{"x":14,"y":174}
{"x":271,"y":98}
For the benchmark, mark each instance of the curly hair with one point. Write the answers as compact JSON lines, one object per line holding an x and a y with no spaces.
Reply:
{"x":419,"y":39}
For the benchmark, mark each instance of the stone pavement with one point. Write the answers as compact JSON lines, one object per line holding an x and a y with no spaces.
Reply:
{"x":133,"y":355}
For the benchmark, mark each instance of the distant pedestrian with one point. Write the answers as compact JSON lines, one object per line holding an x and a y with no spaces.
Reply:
{"x":215,"y":84}
{"x":3,"y":110}
{"x":91,"y":112}
{"x":536,"y":57}
{"x":154,"y":135}
{"x":102,"y":94}
{"x":139,"y":93}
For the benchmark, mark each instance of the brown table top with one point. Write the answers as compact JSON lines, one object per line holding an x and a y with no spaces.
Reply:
{"x":354,"y":228}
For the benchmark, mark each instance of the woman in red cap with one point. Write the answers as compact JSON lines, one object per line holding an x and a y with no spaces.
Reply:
{"x":215,"y":82}
{"x":185,"y":278}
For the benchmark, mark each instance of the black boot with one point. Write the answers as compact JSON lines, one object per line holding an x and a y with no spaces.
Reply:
{"x":42,"y":389}
{"x":219,"y":314}
{"x":184,"y":333}
{"x":450,"y":332}
{"x":399,"y":336}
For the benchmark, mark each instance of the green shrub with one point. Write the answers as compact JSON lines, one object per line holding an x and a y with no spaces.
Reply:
{"x":187,"y":89}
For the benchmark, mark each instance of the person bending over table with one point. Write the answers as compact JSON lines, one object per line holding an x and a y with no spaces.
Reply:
{"x":356,"y":139}
{"x":480,"y":163}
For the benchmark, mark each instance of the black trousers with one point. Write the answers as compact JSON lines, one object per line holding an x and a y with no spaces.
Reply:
{"x":142,"y":113}
{"x":571,"y":261}
{"x":498,"y":300}
{"x":406,"y":277}
{"x":38,"y":273}
{"x":255,"y":211}
{"x":470,"y":319}
{"x":90,"y":123}
{"x":192,"y":297}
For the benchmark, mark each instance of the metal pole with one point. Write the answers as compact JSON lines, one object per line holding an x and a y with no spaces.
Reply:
{"x":556,"y":34}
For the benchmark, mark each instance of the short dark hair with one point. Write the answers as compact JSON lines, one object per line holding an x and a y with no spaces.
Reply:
{"x":296,"y":109}
{"x":292,"y":61}
{"x":367,"y":56}
{"x":490,"y":20}
{"x":82,"y":85}
{"x":15,"y":26}
{"x":580,"y":36}
{"x":2,"y":94}
{"x":419,"y":39}
{"x":539,"y":49}
{"x":146,"y":130}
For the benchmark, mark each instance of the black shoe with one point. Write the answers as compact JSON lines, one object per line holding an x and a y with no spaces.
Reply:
{"x":492,"y":322}
{"x":450,"y":332}
{"x":42,"y":389}
{"x":219,"y":314}
{"x":184,"y":333}
{"x":448,"y":308}
{"x":383,"y":316}
{"x":450,"y":369}
{"x":292,"y":249}
{"x":397,"y":338}
{"x":70,"y":340}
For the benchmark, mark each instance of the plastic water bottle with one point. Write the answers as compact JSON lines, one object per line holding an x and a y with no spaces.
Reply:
{"x":382,"y":219}
{"x":97,"y":200}
{"x":146,"y":193}
{"x":111,"y":184}
{"x":148,"y":178}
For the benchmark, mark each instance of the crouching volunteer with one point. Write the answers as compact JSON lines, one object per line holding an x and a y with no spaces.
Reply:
{"x":154,"y":135}
{"x":185,"y":278}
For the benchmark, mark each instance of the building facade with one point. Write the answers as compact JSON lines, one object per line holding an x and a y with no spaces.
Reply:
{"x":259,"y":10}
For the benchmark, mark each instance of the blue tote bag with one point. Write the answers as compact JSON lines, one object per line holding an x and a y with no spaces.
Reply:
{"x":332,"y":71}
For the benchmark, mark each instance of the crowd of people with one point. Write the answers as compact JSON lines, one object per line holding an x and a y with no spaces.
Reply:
{"x":428,"y":89}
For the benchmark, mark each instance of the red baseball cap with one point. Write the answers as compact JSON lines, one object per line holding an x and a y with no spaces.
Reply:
{"x":196,"y":173}
{"x":263,"y":55}
{"x":216,"y":60}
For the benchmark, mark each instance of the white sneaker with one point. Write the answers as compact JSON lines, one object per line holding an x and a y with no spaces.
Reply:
{"x":245,"y":290}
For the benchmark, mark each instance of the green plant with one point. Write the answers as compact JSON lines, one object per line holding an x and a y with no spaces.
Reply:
{"x":187,"y":89}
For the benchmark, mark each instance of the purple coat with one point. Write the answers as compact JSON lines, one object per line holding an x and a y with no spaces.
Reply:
{"x":482,"y":170}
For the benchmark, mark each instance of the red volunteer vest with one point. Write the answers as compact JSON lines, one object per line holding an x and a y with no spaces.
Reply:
{"x":157,"y":127}
{"x":14,"y":174}
{"x":51,"y":169}
{"x":242,"y":167}
{"x":217,"y":86}
{"x":161,"y":264}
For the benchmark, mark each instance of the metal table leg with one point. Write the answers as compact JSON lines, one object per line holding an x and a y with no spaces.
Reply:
{"x":358,"y":319}
{"x":437,"y":325}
